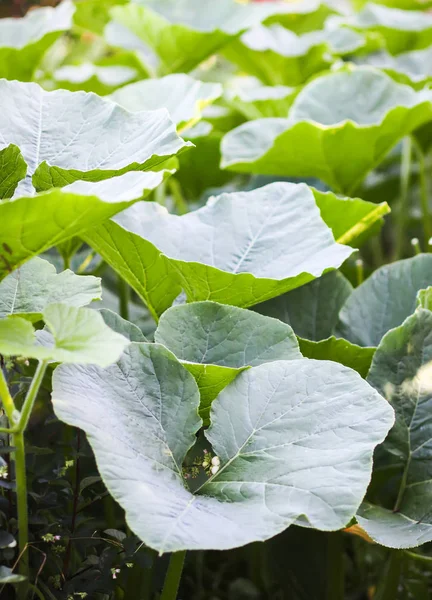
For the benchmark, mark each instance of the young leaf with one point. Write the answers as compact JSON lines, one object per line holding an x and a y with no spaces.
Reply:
{"x":116,"y":323}
{"x":239,"y":249}
{"x":216,"y":342}
{"x":29,"y":289}
{"x":339,"y":127}
{"x":287,"y":450}
{"x":384,"y":300}
{"x":401,"y":372}
{"x":402,"y":30}
{"x":12,"y":170}
{"x":313,"y":309}
{"x":339,"y":350}
{"x":76,"y":335}
{"x":98,"y":140}
{"x":23,"y":42}
{"x":183,"y":97}
{"x":424,"y":298}
{"x":31,"y":225}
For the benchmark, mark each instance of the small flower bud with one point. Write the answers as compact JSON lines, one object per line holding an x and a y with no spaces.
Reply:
{"x":215,"y":461}
{"x":214,"y":469}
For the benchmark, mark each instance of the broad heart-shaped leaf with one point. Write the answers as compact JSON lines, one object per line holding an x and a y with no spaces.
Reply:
{"x":339,"y":350}
{"x":13,"y":169}
{"x":98,"y":140}
{"x":184,"y":97}
{"x":216,"y":342}
{"x":239,"y":249}
{"x":402,"y":30}
{"x":252,"y":99}
{"x":278,"y":56}
{"x":31,"y":225}
{"x":384,"y":300}
{"x":401,"y":372}
{"x":76,"y":335}
{"x":412,"y":68}
{"x":313,"y":309}
{"x":23,"y":42}
{"x":29,"y":289}
{"x":295,"y":438}
{"x":339,"y":127}
{"x":116,"y":323}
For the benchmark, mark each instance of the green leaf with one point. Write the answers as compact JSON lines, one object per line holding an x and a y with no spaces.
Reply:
{"x":183,"y":97}
{"x":329,"y":133}
{"x":116,"y":323}
{"x":402,"y":30}
{"x":31,"y":225}
{"x":313,"y":309}
{"x":339,"y":350}
{"x":216,"y":342}
{"x":29,"y":289}
{"x":412,"y":68}
{"x":401,"y":4}
{"x":253,"y":100}
{"x":401,"y":372}
{"x":384,"y":300}
{"x":301,"y":17}
{"x":98,"y":138}
{"x":7,"y":576}
{"x":89,"y":77}
{"x":93,"y":15}
{"x":287,"y":450}
{"x":74,"y":335}
{"x":424,"y":298}
{"x":23,"y":42}
{"x":239,"y":249}
{"x":278,"y":56}
{"x":12,"y":170}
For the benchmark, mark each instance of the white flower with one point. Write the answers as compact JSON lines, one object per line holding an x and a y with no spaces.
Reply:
{"x":214,"y":469}
{"x":215,"y":461}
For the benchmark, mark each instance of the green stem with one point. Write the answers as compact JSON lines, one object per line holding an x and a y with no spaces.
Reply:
{"x":173,"y":576}
{"x":31,"y":396}
{"x":21,"y":492}
{"x":424,"y":196}
{"x":124,"y":295}
{"x":405,"y":176}
{"x":389,"y":583}
{"x":335,"y":566}
{"x":175,"y":190}
{"x":6,"y":398}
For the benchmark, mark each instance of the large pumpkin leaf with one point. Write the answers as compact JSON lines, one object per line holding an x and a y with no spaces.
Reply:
{"x":384,"y":300}
{"x":254,"y":100}
{"x":402,"y":30}
{"x":216,"y":342}
{"x":29,"y":289}
{"x":339,"y":350}
{"x":286,"y":449}
{"x":12,"y":170}
{"x":74,"y":335}
{"x":183,"y":97}
{"x":31,"y":225}
{"x":239,"y":249}
{"x":278,"y":56}
{"x":313,"y":309}
{"x":89,"y":77}
{"x":413,"y":68}
{"x":339,"y":127}
{"x":117,"y":323}
{"x":98,"y":140}
{"x":402,"y":4}
{"x":23,"y":42}
{"x":401,"y":372}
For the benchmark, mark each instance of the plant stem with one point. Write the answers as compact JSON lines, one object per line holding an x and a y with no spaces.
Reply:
{"x":389,"y":584}
{"x":6,"y":398}
{"x":175,"y":189}
{"x":21,"y":492}
{"x":124,"y":294}
{"x":31,"y":396}
{"x":335,"y":566}
{"x":405,"y":175}
{"x":424,"y":195}
{"x":173,"y":576}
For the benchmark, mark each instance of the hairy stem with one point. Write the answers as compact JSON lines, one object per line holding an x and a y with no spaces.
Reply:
{"x":173,"y":576}
{"x":22,"y":509}
{"x":124,"y":295}
{"x":405,"y":175}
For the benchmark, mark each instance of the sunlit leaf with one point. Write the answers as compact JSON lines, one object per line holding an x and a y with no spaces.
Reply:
{"x":286,"y":449}
{"x":254,"y":100}
{"x":339,"y":350}
{"x":89,"y":77}
{"x":12,"y":170}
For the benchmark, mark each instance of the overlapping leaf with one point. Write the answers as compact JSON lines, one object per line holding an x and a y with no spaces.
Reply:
{"x":254,"y":100}
{"x":413,"y":68}
{"x":339,"y":127}
{"x":216,"y":342}
{"x":239,"y":249}
{"x":12,"y":170}
{"x":23,"y":42}
{"x":74,"y":335}
{"x":384,"y":300}
{"x":402,"y":372}
{"x":64,"y":136}
{"x":287,"y":449}
{"x":28,"y":290}
{"x":183,"y":97}
{"x":89,"y":77}
{"x":117,"y":323}
{"x":30,"y":225}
